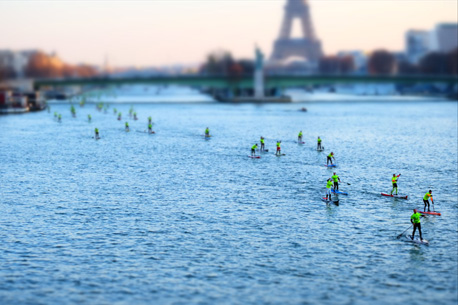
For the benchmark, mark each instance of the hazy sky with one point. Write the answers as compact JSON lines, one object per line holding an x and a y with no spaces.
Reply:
{"x":154,"y":32}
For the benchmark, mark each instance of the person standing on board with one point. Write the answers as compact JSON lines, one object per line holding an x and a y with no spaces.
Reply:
{"x":119,"y":116}
{"x":262,"y":144}
{"x":328,"y":189}
{"x":319,"y":144}
{"x":253,"y":149}
{"x":150,"y":128}
{"x":426,"y":200}
{"x":278,"y":152}
{"x":336,"y":180}
{"x":394,"y":180}
{"x":330,"y":157}
{"x":415,"y":220}
{"x":127,"y":126}
{"x":207,"y":132}
{"x":89,"y":118}
{"x":299,"y":137}
{"x":97,"y":134}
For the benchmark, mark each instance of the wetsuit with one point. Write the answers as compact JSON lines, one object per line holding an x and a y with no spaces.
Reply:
{"x":415,"y":220}
{"x":329,"y":159}
{"x":328,"y":189}
{"x":253,"y":149}
{"x":426,"y":200}
{"x":336,"y":182}
{"x":394,"y":180}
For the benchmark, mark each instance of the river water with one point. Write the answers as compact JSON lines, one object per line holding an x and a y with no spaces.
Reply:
{"x":173,"y":218}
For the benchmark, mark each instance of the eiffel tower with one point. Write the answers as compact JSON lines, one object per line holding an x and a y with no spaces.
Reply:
{"x":308,"y":47}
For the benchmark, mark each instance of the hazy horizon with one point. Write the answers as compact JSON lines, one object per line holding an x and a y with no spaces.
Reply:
{"x":153,"y":33}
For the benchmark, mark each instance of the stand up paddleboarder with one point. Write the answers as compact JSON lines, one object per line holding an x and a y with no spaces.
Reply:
{"x":278,"y":152}
{"x":329,"y":158}
{"x":328,"y":188}
{"x":336,"y":180}
{"x":415,"y":220}
{"x":426,"y":200}
{"x":262,"y":144}
{"x":394,"y":180}
{"x":253,"y":149}
{"x":318,"y":146}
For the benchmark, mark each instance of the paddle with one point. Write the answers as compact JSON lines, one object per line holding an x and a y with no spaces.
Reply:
{"x":397,"y":237}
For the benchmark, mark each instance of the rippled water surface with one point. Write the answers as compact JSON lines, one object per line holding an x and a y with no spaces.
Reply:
{"x":173,"y":218}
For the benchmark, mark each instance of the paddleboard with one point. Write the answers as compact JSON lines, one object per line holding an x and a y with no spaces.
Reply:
{"x":339,"y":192}
{"x":428,"y":213}
{"x":254,"y":157}
{"x":280,"y":155}
{"x":395,"y":196}
{"x":330,"y":165}
{"x":416,"y":240}
{"x":320,"y":149}
{"x":336,"y":202}
{"x":300,"y":142}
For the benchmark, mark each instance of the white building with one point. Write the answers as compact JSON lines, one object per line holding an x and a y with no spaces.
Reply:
{"x":418,"y":43}
{"x":16,"y":60}
{"x":444,"y":37}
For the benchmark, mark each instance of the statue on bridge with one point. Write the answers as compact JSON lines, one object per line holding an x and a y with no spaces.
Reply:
{"x":259,"y":74}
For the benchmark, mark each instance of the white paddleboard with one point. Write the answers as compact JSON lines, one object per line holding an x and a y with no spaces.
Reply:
{"x":416,"y":240}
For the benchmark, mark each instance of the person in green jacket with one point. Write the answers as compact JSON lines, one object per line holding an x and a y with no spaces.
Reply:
{"x":329,"y":158}
{"x":336,"y":180}
{"x":426,"y":200}
{"x":415,"y":220}
{"x":394,"y":180}
{"x":253,"y":149}
{"x":299,"y":136}
{"x":318,"y":147}
{"x":328,"y":188}
{"x":97,"y":134}
{"x":127,"y":126}
{"x":278,"y":152}
{"x":262,"y":144}
{"x":207,"y":132}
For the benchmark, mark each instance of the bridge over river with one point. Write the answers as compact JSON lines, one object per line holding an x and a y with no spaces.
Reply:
{"x":246,"y":82}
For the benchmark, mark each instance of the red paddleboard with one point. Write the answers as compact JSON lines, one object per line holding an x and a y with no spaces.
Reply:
{"x":395,"y":196}
{"x":428,"y":213}
{"x":254,"y":157}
